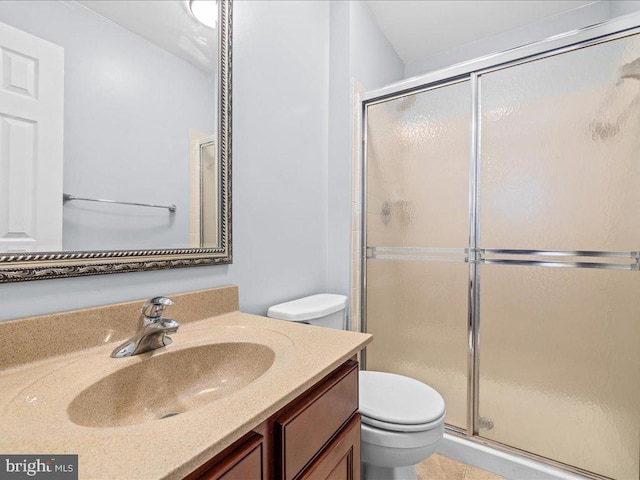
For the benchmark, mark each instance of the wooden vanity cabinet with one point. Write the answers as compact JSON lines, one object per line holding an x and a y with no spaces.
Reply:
{"x":316,"y":437}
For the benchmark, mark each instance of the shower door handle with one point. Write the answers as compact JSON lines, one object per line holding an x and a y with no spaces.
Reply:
{"x":547,"y":258}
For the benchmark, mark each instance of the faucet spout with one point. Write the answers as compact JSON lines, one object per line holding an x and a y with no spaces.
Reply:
{"x":152,"y":330}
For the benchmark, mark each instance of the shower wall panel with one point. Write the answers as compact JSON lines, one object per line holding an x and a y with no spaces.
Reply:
{"x":560,"y":364}
{"x":559,"y":152}
{"x":417,"y":314}
{"x":559,"y":170}
{"x":417,"y":204}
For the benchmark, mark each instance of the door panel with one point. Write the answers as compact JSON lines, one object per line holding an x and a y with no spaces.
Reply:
{"x":31,"y":128}
{"x":559,"y":170}
{"x":417,"y":230}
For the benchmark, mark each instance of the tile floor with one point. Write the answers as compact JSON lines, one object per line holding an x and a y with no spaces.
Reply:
{"x":438,"y":467}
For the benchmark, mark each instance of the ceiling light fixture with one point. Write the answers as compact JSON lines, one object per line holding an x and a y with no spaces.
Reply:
{"x":205,"y":11}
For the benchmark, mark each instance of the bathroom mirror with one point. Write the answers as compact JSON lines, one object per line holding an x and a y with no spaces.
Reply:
{"x":115,"y":136}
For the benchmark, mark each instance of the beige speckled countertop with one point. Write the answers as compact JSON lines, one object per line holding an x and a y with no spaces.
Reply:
{"x":35,"y":396}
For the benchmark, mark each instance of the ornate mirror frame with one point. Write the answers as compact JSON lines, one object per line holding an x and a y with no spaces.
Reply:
{"x":47,"y":265}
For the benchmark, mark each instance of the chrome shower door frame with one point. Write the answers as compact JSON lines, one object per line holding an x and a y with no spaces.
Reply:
{"x":472,"y":71}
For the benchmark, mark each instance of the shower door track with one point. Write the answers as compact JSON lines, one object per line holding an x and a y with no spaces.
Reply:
{"x":501,"y":447}
{"x":470,"y":71}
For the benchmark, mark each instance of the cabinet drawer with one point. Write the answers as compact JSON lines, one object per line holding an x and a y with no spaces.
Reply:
{"x":313,"y":420}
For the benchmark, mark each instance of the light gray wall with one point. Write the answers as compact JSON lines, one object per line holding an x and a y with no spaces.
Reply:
{"x":339,"y":162}
{"x":280,"y":117}
{"x":618,"y":8}
{"x":128,"y":109}
{"x":374,"y":62}
{"x":359,"y":52}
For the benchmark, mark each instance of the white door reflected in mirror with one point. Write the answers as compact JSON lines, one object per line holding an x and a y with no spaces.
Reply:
{"x":31,"y":126}
{"x":204,"y":187}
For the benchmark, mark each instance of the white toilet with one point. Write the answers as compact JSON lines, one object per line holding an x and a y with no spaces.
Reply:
{"x":402,"y":418}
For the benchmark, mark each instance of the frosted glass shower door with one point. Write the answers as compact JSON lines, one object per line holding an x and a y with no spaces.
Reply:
{"x":559,"y":175}
{"x":417,"y":232}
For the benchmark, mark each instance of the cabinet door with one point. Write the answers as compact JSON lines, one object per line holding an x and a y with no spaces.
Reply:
{"x":312,"y":420}
{"x":341,"y":459}
{"x":243,"y":462}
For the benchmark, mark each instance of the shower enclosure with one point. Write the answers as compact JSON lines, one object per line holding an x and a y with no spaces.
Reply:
{"x":501,"y":238}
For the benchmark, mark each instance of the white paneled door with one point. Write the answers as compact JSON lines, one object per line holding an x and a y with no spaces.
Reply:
{"x":31,"y":130}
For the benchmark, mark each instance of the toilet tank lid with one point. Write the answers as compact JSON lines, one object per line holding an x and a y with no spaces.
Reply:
{"x":308,"y":308}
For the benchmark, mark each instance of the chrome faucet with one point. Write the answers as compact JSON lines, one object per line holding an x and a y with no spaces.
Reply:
{"x":152,"y":329}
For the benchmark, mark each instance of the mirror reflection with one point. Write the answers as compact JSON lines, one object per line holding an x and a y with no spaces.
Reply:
{"x":108,"y":113}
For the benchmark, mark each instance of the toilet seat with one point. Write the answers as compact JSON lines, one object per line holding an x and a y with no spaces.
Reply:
{"x":399,"y":427}
{"x":397,"y":403}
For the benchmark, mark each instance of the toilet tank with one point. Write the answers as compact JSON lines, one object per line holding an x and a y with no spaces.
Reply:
{"x":324,"y":310}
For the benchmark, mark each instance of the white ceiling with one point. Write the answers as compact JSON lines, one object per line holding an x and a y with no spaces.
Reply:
{"x":166,"y":23}
{"x":420,"y":28}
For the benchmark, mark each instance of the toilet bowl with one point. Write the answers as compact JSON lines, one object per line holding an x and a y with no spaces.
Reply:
{"x":402,"y":424}
{"x":402,"y":418}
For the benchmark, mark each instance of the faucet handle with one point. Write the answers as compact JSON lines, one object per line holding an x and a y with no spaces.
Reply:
{"x":154,"y":307}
